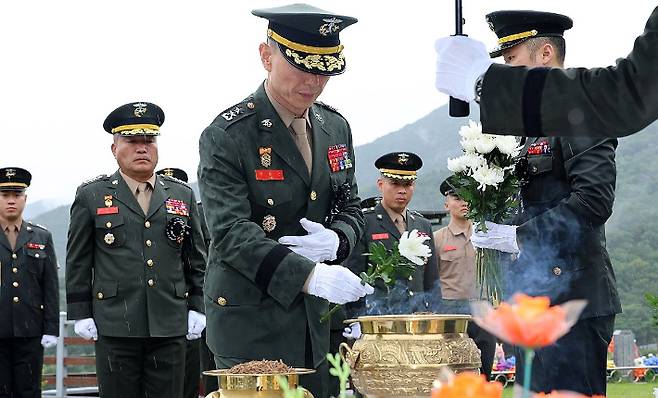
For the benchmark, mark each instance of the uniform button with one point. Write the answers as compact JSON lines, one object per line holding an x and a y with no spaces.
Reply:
{"x":15,"y":284}
{"x":557,"y":271}
{"x":221,"y":301}
{"x":186,"y":295}
{"x":14,"y":256}
{"x":16,"y":300}
{"x":41,"y":306}
{"x":534,"y":169}
{"x":251,"y":105}
{"x":147,"y":224}
{"x":411,"y":293}
{"x":314,"y":195}
{"x":270,"y":202}
{"x":411,"y":278}
{"x":149,"y":262}
{"x":36,"y":255}
{"x":14,"y":270}
{"x":108,"y":224}
{"x":151,"y":282}
{"x":148,"y":243}
{"x":100,"y":295}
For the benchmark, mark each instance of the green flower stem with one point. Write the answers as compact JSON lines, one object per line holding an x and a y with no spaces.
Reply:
{"x":328,"y":315}
{"x":527,"y":371}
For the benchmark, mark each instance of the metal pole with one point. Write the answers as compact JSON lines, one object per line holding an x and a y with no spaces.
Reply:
{"x":60,"y":370}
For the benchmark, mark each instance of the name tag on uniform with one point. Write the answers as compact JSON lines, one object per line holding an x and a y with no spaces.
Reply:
{"x":381,"y":236}
{"x":269,"y":175}
{"x":107,"y":210}
{"x":449,"y":248}
{"x":39,"y":246}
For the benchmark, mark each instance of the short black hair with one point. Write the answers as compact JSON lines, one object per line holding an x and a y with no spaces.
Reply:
{"x":557,"y":42}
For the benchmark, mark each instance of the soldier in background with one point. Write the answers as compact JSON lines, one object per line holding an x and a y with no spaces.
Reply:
{"x":135,"y":263}
{"x":385,"y":223}
{"x":29,"y":291}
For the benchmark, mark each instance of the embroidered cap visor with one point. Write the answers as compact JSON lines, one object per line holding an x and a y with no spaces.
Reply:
{"x":517,"y":26}
{"x":308,"y":37}
{"x":135,"y":118}
{"x":399,"y":165}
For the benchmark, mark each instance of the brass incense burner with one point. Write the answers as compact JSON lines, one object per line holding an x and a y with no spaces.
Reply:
{"x":233,"y":385}
{"x":400,"y":355}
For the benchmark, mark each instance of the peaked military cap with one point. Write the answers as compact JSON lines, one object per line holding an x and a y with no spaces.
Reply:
{"x":135,"y":118}
{"x":399,"y":165}
{"x":308,"y":36}
{"x":516,"y":26}
{"x":173,"y":172}
{"x":14,"y":179}
{"x":448,"y":186}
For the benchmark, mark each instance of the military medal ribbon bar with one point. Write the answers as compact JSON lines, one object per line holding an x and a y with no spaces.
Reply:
{"x":107,"y":210}
{"x":269,"y":175}
{"x":338,"y":157}
{"x":381,"y":236}
{"x":178,"y":207}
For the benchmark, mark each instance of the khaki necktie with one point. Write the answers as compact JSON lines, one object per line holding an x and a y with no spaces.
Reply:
{"x":12,"y":236}
{"x":301,"y":139}
{"x":399,"y":224}
{"x":142,"y":196}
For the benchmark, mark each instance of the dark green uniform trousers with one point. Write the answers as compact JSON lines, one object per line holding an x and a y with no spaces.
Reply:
{"x":210,"y":384}
{"x":21,"y":359}
{"x":192,"y":369}
{"x":138,"y":367}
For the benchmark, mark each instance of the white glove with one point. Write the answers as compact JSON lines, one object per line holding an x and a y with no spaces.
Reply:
{"x":460,"y":61}
{"x":48,"y":341}
{"x":353,"y":331}
{"x":498,"y":237}
{"x":319,"y":245}
{"x":196,"y":322}
{"x":86,"y":328}
{"x":335,"y":283}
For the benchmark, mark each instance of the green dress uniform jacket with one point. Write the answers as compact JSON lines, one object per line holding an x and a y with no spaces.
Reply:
{"x":568,"y":198}
{"x":29,"y":293}
{"x":604,"y":102}
{"x":255,"y":188}
{"x":380,"y":228}
{"x":123,"y":270}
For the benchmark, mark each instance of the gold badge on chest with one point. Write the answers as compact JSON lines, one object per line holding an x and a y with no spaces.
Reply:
{"x":269,"y":223}
{"x":108,"y":200}
{"x":265,"y":156}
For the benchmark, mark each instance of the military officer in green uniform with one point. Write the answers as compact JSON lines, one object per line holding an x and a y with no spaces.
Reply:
{"x":276,"y":177}
{"x":29,"y":293}
{"x":598,"y":102}
{"x":567,"y":196}
{"x":135,"y":261}
{"x":385,"y":223}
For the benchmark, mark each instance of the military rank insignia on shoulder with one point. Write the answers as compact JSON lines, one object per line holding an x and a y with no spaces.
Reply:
{"x":331,"y":108}
{"x":237,"y":112}
{"x":94,"y":179}
{"x":174,"y":179}
{"x":37,"y":225}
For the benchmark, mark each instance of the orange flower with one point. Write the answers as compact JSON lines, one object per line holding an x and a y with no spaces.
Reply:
{"x":528,"y":322}
{"x":468,"y":385}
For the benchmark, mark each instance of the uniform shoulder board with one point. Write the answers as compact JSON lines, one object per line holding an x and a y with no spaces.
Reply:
{"x":37,"y":225}
{"x":368,"y":210}
{"x":97,"y":178}
{"x":174,"y":179}
{"x":416,"y":213}
{"x":236,"y":112}
{"x":331,"y":108}
{"x":198,"y":203}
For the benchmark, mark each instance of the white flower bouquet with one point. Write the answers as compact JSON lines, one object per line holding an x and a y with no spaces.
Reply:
{"x":484,"y":177}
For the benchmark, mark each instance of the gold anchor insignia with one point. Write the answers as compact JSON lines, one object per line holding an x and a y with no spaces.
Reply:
{"x":140,"y":109}
{"x":109,"y":238}
{"x":265,"y":156}
{"x":10,"y":173}
{"x":108,"y":200}
{"x":403,"y":158}
{"x":269,"y":223}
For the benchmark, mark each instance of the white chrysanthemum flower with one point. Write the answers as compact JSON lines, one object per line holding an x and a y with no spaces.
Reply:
{"x":473,"y":161}
{"x":457,"y":165}
{"x":508,"y":145}
{"x":488,"y":176}
{"x":412,"y":248}
{"x":468,"y":145}
{"x":485,"y":144}
{"x":472,"y":131}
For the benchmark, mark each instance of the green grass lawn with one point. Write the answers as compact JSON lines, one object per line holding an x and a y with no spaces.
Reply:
{"x":617,"y":390}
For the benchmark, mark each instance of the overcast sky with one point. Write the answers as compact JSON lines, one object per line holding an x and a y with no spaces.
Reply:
{"x":67,"y":64}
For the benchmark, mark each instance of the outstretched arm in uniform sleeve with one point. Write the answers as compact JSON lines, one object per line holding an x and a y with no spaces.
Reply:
{"x":50,"y":291}
{"x":195,"y":260}
{"x":604,"y":102}
{"x":79,"y":259}
{"x":239,"y":242}
{"x":590,"y":169}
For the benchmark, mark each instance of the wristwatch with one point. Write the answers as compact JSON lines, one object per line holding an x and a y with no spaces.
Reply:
{"x":478,"y":88}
